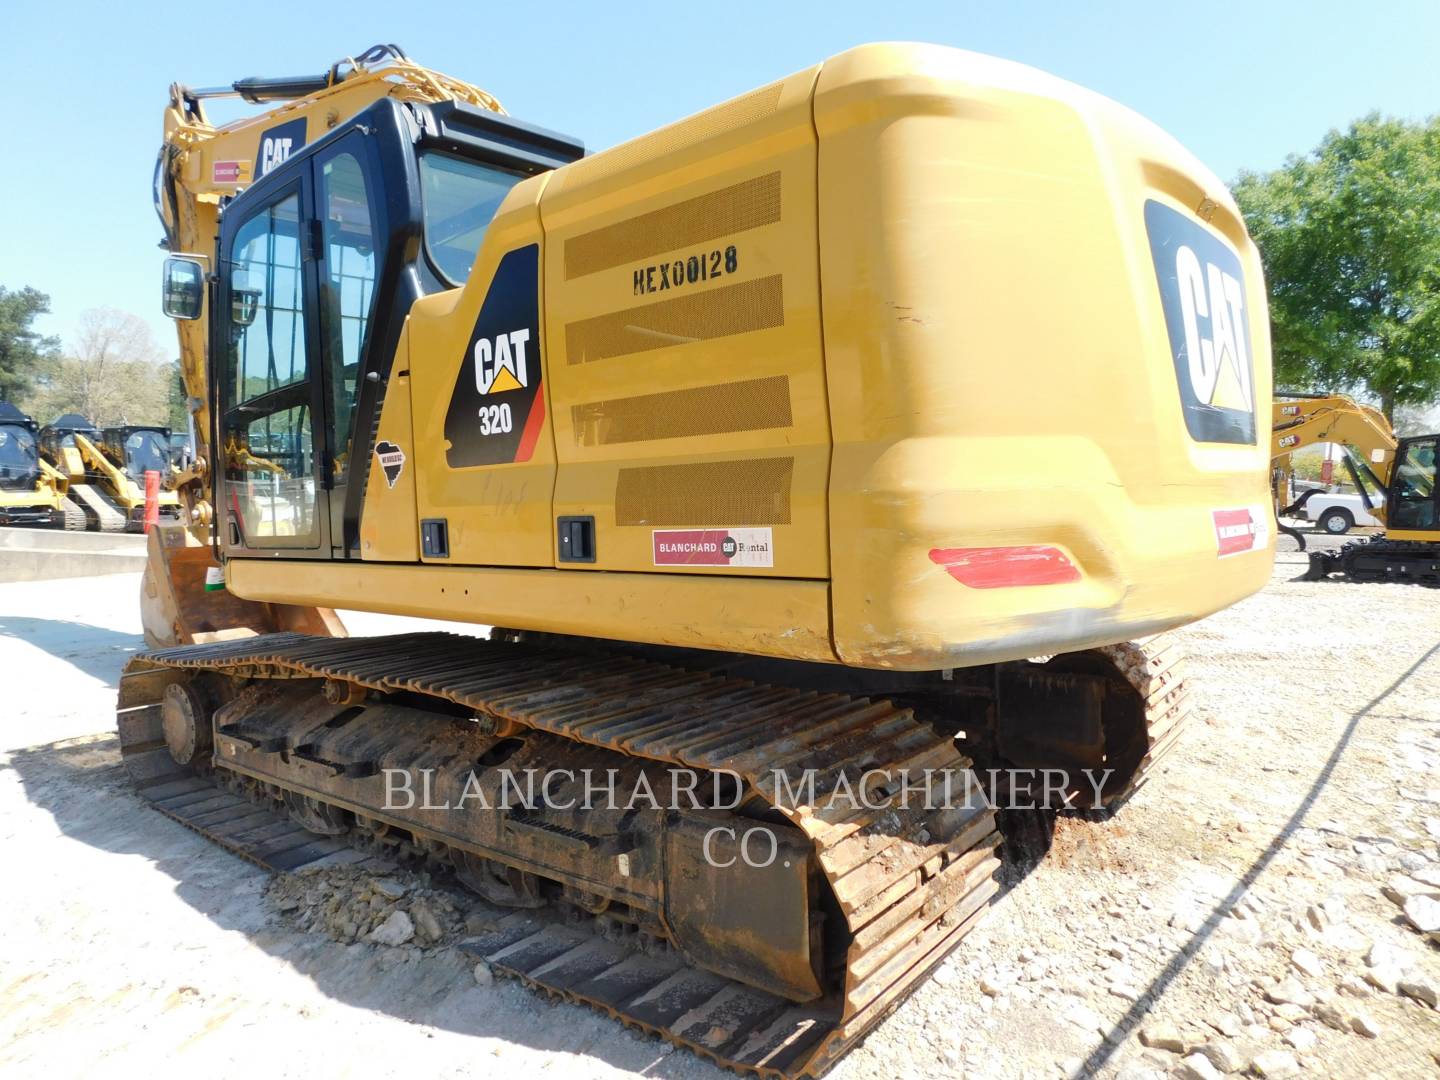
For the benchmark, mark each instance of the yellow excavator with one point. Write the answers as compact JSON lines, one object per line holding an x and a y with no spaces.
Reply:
{"x":32,"y":492}
{"x":1395,"y":478}
{"x":864,"y":430}
{"x":106,"y":472}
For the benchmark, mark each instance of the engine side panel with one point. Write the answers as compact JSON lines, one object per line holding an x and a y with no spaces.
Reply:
{"x":490,"y":482}
{"x":686,"y":373}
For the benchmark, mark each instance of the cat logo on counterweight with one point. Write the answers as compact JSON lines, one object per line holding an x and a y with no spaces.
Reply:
{"x":1202,"y":292}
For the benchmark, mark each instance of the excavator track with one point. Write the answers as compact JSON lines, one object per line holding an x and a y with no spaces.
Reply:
{"x":102,"y":513}
{"x":894,"y":886}
{"x":1379,"y":559}
{"x":1155,"y":669}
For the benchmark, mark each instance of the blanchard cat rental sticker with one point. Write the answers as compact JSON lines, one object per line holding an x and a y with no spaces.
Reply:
{"x":1238,"y":531}
{"x":713,"y":547}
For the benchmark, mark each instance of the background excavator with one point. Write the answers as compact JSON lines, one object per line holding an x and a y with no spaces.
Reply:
{"x":1395,"y":478}
{"x":31,"y":491}
{"x":699,"y":424}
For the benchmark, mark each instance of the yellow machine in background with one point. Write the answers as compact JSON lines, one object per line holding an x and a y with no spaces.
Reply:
{"x":106,"y":471}
{"x":775,"y":440}
{"x":31,"y":491}
{"x":1395,"y":477}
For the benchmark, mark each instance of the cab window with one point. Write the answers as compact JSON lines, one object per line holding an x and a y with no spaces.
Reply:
{"x":458,"y":198}
{"x":146,"y":451}
{"x":266,"y":319}
{"x":269,"y":438}
{"x":1413,"y":490}
{"x":347,"y":292}
{"x":17,"y":453}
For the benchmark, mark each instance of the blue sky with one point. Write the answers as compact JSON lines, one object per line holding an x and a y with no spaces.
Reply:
{"x":1243,"y":84}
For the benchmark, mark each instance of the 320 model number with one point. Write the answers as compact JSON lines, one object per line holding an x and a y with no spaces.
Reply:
{"x":495,"y":419}
{"x":677,"y":273}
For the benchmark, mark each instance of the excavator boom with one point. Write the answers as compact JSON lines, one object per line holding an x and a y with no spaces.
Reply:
{"x":1300,"y":421}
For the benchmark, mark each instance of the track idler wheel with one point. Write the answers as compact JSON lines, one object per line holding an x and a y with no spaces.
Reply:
{"x":186,"y":723}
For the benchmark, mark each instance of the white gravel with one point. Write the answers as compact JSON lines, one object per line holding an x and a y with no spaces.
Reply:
{"x":1238,"y":902}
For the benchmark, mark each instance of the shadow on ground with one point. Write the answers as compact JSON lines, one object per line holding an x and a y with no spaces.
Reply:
{"x":94,"y":650}
{"x":84,"y":786}
{"x":1182,"y":956}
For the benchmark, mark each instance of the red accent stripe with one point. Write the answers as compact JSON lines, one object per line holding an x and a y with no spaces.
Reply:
{"x":531,"y":435}
{"x":1002,"y":567}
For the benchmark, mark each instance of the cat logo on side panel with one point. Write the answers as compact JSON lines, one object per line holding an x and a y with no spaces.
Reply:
{"x":500,"y":365}
{"x":497,"y":408}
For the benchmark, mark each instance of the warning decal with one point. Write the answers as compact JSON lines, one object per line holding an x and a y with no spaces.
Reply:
{"x":1238,"y":531}
{"x":713,"y":547}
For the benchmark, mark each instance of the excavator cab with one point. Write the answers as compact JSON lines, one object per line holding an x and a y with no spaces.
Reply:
{"x":1411,"y":503}
{"x":319,"y":263}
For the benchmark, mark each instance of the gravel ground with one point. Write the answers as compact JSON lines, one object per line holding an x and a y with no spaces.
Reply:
{"x":1235,"y":916}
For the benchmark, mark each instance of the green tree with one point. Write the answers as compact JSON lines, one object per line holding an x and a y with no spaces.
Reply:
{"x":1350,"y":238}
{"x":112,"y":373}
{"x":178,"y":414}
{"x":24,"y":354}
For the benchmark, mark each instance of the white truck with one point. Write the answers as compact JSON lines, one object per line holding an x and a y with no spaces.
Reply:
{"x":1338,"y":512}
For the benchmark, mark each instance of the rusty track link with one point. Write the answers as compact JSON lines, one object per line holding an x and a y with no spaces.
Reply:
{"x":909,"y":883}
{"x":1155,"y":668}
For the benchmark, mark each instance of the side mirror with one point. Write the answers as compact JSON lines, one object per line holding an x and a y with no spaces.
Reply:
{"x":183,"y":288}
{"x":244,"y":304}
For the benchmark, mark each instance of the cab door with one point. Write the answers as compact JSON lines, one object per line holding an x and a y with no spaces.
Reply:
{"x":269,"y":442}
{"x":345,"y":179}
{"x":297,"y":288}
{"x":1414,"y":496}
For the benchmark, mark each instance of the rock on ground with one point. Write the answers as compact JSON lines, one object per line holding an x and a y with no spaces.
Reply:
{"x":1302,"y":787}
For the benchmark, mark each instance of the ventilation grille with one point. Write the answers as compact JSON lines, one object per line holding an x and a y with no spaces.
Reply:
{"x":716,"y":313}
{"x":746,"y":205}
{"x":730,"y":116}
{"x":750,"y":491}
{"x":752,"y":405}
